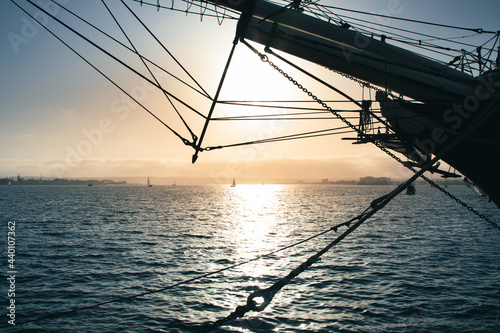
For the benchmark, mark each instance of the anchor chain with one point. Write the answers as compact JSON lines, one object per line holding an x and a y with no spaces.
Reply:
{"x":265,"y":59}
{"x":368,"y":85}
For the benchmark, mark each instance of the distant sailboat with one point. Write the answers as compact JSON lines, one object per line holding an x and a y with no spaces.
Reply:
{"x":9,"y":183}
{"x":174,"y":184}
{"x":234,"y":183}
{"x":149,"y":183}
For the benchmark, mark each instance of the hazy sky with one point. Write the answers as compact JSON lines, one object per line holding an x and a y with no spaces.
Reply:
{"x":60,"y":118}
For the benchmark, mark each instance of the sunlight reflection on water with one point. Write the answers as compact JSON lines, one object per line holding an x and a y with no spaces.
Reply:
{"x":255,"y":228}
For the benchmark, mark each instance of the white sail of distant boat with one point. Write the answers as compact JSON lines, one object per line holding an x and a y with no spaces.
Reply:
{"x":234,"y":183}
{"x":149,"y":183}
{"x":174,"y":184}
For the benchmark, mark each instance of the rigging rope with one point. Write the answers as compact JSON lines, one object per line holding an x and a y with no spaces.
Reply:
{"x":164,"y":48}
{"x":476,"y":30}
{"x":431,"y":37}
{"x":203,"y":8}
{"x":304,"y":135}
{"x":193,"y":136}
{"x":185,"y":141}
{"x":131,"y":50}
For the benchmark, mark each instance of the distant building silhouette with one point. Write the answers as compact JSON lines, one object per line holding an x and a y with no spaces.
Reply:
{"x":374,"y":181}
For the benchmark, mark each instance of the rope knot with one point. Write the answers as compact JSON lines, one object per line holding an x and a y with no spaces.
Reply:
{"x":260,"y":299}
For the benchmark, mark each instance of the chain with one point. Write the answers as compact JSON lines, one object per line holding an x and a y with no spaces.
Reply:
{"x":460,"y":202}
{"x":265,"y":59}
{"x":368,"y":85}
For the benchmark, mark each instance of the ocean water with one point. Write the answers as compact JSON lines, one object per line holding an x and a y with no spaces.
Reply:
{"x":422,"y":264}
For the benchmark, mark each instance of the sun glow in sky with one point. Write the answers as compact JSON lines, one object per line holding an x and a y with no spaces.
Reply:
{"x":61,"y":118}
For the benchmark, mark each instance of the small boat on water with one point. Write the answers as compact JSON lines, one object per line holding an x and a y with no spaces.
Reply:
{"x":234,"y":183}
{"x":174,"y":184}
{"x":149,"y":183}
{"x":411,"y":190}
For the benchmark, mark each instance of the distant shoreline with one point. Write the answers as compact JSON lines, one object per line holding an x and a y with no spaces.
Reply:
{"x":58,"y":181}
{"x":18,"y":181}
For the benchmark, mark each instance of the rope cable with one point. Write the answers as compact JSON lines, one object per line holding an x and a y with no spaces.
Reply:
{"x":477,"y":30}
{"x":120,"y":62}
{"x":448,"y":39}
{"x":109,"y":54}
{"x":304,"y":135}
{"x":195,"y":5}
{"x":130,"y":49}
{"x":193,"y":136}
{"x":163,"y":46}
{"x":185,"y":141}
{"x":419,"y":43}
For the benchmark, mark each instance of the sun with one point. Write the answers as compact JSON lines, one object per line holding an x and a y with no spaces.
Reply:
{"x":251,"y":79}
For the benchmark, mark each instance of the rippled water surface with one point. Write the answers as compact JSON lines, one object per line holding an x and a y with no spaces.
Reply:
{"x":423,"y":264}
